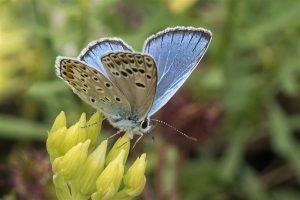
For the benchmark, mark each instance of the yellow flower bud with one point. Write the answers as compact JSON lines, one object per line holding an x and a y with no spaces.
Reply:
{"x":90,"y":170}
{"x":93,"y":131}
{"x":59,"y":122}
{"x":109,"y":180}
{"x":75,"y":134}
{"x":82,"y":120}
{"x":61,"y":188}
{"x":55,"y":142}
{"x":69,"y":164}
{"x":134,"y":179}
{"x":56,"y":165}
{"x":122,"y":143}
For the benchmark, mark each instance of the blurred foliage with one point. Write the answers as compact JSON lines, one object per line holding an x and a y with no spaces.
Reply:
{"x":251,"y":70}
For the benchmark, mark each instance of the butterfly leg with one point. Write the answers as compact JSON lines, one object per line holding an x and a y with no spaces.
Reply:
{"x":117,"y":133}
{"x":141,"y":135}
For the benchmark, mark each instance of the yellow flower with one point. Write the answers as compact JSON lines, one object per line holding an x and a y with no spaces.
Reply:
{"x":56,"y":136}
{"x":93,"y":128}
{"x":134,"y":179}
{"x":75,"y":134}
{"x":109,"y":181}
{"x":179,"y":6}
{"x":91,"y":169}
{"x":69,"y":164}
{"x":55,"y":142}
{"x":59,"y":122}
{"x":81,"y":168}
{"x":122,"y":143}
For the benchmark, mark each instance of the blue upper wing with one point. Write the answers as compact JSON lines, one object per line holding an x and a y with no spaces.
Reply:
{"x":96,"y":49}
{"x":177,"y":51}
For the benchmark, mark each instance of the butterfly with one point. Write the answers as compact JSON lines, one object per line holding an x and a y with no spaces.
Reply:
{"x":128,"y":87}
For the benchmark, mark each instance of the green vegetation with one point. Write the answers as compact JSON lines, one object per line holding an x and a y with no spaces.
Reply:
{"x":246,"y":89}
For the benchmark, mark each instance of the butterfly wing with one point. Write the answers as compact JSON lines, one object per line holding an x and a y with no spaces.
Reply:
{"x":135,"y":75}
{"x":92,"y":87}
{"x":177,"y":51}
{"x":96,"y":49}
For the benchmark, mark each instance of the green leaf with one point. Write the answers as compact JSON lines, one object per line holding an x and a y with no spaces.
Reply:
{"x":19,"y":128}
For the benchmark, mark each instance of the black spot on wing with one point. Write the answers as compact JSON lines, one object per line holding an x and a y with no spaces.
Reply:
{"x":124,"y":74}
{"x":108,"y":85}
{"x":129,"y":71}
{"x":141,"y":85}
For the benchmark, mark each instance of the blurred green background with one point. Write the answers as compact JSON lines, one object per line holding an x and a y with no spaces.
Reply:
{"x":243,"y":102}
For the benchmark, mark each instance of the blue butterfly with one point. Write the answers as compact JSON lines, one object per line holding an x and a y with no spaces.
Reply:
{"x":128,"y":87}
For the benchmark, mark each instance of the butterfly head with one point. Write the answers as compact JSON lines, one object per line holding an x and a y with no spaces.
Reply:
{"x":146,"y":126}
{"x":132,"y":125}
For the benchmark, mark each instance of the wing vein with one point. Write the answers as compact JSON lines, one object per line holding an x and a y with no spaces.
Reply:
{"x":197,"y":43}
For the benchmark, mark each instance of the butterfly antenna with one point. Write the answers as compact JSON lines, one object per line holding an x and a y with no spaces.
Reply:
{"x":89,"y":125}
{"x":92,"y":124}
{"x":175,"y":129}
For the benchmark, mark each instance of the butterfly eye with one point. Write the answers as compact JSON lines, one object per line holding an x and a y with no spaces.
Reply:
{"x":145,"y":126}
